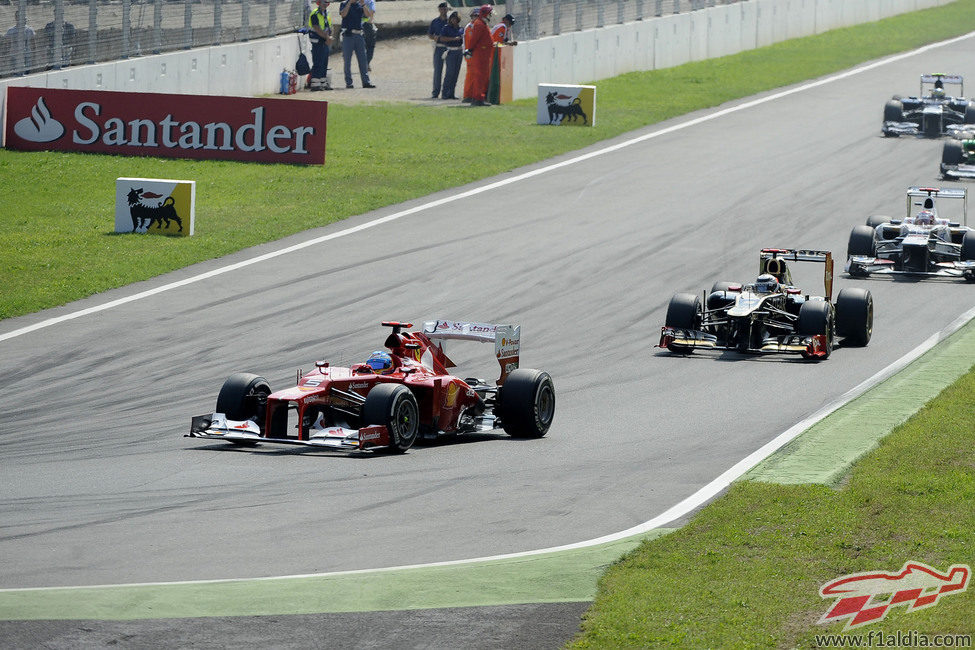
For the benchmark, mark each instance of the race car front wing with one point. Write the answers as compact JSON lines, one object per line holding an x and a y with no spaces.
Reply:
{"x":866,"y":265}
{"x":812,"y":346}
{"x":216,"y":426}
{"x":958,"y":171}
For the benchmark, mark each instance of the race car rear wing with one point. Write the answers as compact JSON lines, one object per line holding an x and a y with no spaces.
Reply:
{"x":954,"y":79}
{"x":952,"y":193}
{"x":771,"y":261}
{"x":506,"y":339}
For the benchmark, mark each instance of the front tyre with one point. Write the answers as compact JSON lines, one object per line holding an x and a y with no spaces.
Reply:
{"x":394,"y":407}
{"x":854,"y":316}
{"x":244,"y":397}
{"x":526,"y":403}
{"x":816,"y":317}
{"x":684,"y":313}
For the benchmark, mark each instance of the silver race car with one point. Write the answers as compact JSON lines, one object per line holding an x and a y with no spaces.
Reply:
{"x":770,"y":314}
{"x":933,"y":113}
{"x":932,"y":239}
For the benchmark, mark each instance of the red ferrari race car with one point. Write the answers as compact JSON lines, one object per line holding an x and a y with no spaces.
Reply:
{"x":388,"y":402}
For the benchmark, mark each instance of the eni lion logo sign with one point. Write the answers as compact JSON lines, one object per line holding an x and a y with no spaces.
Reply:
{"x":155,"y":206}
{"x":560,"y":105}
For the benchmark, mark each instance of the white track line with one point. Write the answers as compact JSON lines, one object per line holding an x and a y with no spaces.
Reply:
{"x":673,"y":513}
{"x":473,"y":192}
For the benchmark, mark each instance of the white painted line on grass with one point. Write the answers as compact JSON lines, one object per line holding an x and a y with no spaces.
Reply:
{"x":472,"y":192}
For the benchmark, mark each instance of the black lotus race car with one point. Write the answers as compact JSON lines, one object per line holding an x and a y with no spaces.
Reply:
{"x":932,"y":239}
{"x":932,"y":114}
{"x":770,"y":314}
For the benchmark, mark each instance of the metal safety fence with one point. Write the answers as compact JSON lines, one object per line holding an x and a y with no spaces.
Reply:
{"x":40,"y":35}
{"x":537,"y":18}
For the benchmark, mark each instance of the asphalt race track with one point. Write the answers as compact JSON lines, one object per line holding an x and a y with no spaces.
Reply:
{"x":97,"y":486}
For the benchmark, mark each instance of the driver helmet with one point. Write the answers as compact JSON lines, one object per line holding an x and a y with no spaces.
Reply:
{"x":380,"y":362}
{"x":938,"y":93}
{"x":766,"y":283}
{"x":924,"y":218}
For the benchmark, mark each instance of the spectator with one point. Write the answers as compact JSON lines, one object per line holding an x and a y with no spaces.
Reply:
{"x":19,"y":45}
{"x":369,"y":30}
{"x":469,"y":77}
{"x":452,"y":37}
{"x":352,"y":12}
{"x":481,"y":50}
{"x":439,"y":51}
{"x":501,"y":33}
{"x":52,"y":38}
{"x":320,"y":35}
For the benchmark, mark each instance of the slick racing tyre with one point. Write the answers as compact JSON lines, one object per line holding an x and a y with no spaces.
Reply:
{"x":684,"y":312}
{"x":951,"y":153}
{"x":854,"y":316}
{"x":816,"y":317}
{"x":244,"y":397}
{"x":526,"y":402}
{"x":894,"y":111}
{"x":968,"y":246}
{"x":970,"y":113}
{"x":875,"y":220}
{"x":720,"y":298}
{"x":861,"y":242}
{"x":394,"y":407}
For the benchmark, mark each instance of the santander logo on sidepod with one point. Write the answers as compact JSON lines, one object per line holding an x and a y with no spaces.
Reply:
{"x":40,"y":126}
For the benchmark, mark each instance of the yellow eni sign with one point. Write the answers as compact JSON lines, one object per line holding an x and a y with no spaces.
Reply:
{"x":562,"y":105}
{"x":155,"y":205}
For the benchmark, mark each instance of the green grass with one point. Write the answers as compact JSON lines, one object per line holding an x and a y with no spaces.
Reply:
{"x":56,"y":209}
{"x":746,"y":571}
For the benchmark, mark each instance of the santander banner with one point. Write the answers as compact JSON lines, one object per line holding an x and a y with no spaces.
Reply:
{"x":172,"y":126}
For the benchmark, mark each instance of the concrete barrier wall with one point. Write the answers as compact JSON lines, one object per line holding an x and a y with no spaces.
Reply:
{"x":251,"y":68}
{"x":679,"y":38}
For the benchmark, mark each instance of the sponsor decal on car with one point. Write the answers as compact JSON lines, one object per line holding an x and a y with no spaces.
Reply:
{"x":864,"y":598}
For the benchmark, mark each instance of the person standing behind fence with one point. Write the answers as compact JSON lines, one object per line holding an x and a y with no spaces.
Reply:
{"x":321,"y":41}
{"x":352,"y":12}
{"x":433,"y":33}
{"x":19,"y":45}
{"x":481,"y":49}
{"x":49,"y":36}
{"x":369,"y":30}
{"x":501,"y":33}
{"x":469,"y":77}
{"x":452,"y":37}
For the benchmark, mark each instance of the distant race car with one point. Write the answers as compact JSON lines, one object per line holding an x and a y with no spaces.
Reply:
{"x":770,"y":314}
{"x":388,"y":402}
{"x":932,"y":239}
{"x":958,"y":157}
{"x":933,"y":113}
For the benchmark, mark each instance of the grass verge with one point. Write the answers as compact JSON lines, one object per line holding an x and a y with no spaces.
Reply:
{"x":56,"y":209}
{"x":746,"y":571}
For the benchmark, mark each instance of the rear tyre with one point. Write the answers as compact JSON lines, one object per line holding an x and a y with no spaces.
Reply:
{"x":875,"y":220}
{"x":244,"y":397}
{"x":861,"y":242}
{"x":854,"y":316}
{"x":526,"y":403}
{"x":684,"y":312}
{"x":894,"y":111}
{"x":970,"y":113}
{"x":816,"y":317}
{"x":394,"y":407}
